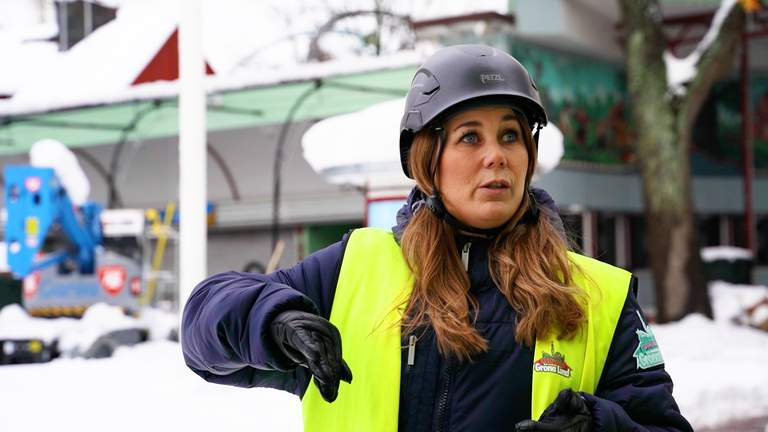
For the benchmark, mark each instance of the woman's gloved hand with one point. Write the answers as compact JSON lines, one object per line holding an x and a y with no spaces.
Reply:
{"x":313,"y":342}
{"x":568,"y":413}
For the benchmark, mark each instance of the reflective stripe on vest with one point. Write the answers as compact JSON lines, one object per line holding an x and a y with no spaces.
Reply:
{"x":371,"y":293}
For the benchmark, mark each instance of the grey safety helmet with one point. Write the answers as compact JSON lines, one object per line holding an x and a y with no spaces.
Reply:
{"x":463,"y":73}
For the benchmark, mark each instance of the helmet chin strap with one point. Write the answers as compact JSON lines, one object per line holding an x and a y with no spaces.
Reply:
{"x":435,"y":204}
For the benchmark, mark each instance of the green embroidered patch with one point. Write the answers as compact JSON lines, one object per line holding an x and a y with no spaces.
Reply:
{"x":647,"y":353}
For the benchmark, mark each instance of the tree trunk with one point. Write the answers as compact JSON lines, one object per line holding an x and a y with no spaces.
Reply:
{"x":663,"y":122}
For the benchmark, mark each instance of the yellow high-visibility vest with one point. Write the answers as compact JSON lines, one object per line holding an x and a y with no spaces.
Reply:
{"x":372,"y":291}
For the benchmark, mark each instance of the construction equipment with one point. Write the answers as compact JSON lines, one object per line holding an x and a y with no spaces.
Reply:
{"x":57,"y":248}
{"x":70,"y":254}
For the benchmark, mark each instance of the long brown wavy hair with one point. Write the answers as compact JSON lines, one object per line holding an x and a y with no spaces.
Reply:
{"x":528,"y":263}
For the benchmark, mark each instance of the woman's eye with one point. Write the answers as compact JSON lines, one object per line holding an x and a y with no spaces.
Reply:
{"x":510,"y":136}
{"x":469,"y":138}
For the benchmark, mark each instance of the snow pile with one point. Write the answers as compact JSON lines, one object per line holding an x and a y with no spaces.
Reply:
{"x":75,"y":336}
{"x":681,"y":71}
{"x":727,"y":253}
{"x":53,"y":154}
{"x":16,"y":324}
{"x":718,"y":369}
{"x":97,"y":321}
{"x":730,"y":303}
{"x":161,"y":324}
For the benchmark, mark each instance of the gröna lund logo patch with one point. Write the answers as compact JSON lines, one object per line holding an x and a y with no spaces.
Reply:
{"x":553,"y":362}
{"x":491,"y":77}
{"x":647,"y":353}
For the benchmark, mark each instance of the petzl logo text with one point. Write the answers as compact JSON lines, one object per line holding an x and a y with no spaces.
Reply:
{"x":491,"y":77}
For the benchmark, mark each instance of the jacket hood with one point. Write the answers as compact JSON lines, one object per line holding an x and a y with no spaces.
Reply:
{"x":415,"y":202}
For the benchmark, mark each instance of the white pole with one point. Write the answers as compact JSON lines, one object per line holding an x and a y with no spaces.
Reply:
{"x":192,"y":156}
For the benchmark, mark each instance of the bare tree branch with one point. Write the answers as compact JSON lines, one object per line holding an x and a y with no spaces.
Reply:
{"x":317,"y":54}
{"x":715,"y":62}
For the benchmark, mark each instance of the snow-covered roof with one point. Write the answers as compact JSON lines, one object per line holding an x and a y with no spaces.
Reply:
{"x":362,"y":148}
{"x":217,"y":83}
{"x":245,"y":42}
{"x":27,"y":56}
{"x":107,"y":60}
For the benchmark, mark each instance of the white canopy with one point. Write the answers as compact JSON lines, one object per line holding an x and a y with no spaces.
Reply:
{"x":362,"y":148}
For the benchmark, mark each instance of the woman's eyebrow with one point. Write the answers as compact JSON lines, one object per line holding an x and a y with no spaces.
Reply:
{"x":509,"y":117}
{"x":469,"y":123}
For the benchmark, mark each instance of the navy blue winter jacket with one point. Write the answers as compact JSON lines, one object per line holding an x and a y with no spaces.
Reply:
{"x":226,"y":341}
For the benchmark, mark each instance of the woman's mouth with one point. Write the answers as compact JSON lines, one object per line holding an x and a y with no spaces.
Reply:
{"x":497,"y":184}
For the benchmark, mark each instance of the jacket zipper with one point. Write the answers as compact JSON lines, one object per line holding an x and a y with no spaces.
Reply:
{"x":465,"y":255}
{"x":410,"y":360}
{"x":442,"y":405}
{"x":411,"y":352}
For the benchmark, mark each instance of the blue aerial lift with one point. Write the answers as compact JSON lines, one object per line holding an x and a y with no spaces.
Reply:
{"x":35,"y":201}
{"x":57,"y":249}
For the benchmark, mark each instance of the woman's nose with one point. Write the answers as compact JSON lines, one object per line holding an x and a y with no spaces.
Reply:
{"x":495,"y":156}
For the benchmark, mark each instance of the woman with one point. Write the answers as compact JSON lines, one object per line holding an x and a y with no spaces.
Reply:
{"x":471,"y":315}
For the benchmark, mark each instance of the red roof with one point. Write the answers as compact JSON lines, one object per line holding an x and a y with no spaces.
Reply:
{"x":164,"y":66}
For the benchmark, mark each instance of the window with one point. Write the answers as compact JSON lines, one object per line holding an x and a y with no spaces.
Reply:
{"x":709,"y":230}
{"x":78,"y":19}
{"x":638,"y":257}
{"x":573,"y":230}
{"x":606,"y":238}
{"x":762,"y":240}
{"x":739,"y":235}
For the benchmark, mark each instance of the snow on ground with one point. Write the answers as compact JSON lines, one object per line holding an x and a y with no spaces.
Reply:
{"x":145,"y":388}
{"x":734,"y":300}
{"x":718,"y":370}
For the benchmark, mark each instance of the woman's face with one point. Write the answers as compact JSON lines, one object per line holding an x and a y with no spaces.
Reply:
{"x":482,"y":169}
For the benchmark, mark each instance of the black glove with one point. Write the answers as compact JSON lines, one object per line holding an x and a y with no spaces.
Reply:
{"x":313,"y":342}
{"x":568,"y":413}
